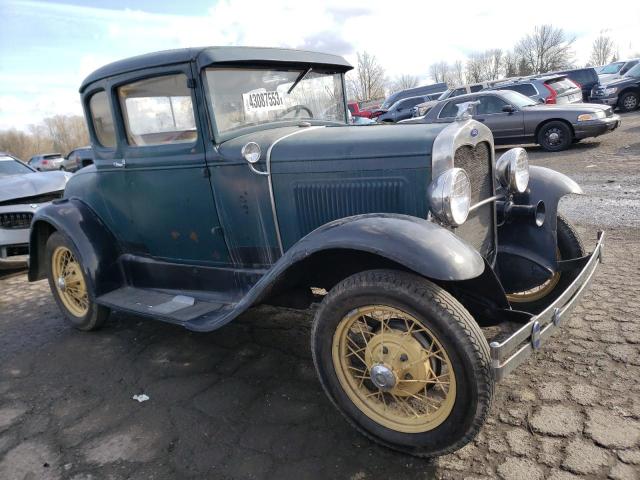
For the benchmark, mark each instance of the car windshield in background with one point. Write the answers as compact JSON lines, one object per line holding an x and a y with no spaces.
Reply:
{"x":516,"y":99}
{"x":634,"y":72}
{"x":11,"y":166}
{"x":243,"y":97}
{"x":611,"y":68}
{"x":51,"y":156}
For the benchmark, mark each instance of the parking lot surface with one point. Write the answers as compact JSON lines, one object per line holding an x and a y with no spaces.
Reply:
{"x":244,"y":402}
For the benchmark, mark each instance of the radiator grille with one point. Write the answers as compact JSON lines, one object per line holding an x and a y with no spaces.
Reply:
{"x":319,"y":203}
{"x":15,"y":220}
{"x":478,"y":230}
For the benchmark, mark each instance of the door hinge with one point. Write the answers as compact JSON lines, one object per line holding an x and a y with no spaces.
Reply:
{"x":206,"y":173}
{"x":191,"y":83}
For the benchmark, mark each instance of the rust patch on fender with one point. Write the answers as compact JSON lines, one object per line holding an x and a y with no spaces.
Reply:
{"x":194,"y":236}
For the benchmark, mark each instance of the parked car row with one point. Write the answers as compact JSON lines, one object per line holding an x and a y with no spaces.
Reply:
{"x":514,"y":118}
{"x":75,"y":160}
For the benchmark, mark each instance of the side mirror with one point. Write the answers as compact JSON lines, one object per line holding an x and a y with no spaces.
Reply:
{"x":508,"y":109}
{"x":541,"y":100}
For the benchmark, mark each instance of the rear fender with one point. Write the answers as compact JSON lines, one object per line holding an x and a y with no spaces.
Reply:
{"x":96,"y":245}
{"x":526,"y":252}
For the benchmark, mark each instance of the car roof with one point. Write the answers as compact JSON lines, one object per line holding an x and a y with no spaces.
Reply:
{"x":204,"y":56}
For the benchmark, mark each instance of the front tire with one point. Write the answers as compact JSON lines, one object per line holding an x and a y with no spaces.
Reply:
{"x":403,"y":361}
{"x":555,"y":136}
{"x":628,"y":101}
{"x":69,"y":285}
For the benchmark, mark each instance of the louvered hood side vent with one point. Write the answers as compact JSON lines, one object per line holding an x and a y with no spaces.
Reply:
{"x":320,"y":202}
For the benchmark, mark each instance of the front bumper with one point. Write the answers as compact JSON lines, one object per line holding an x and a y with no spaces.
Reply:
{"x":511,"y":352}
{"x":604,"y":100}
{"x":594,"y":128}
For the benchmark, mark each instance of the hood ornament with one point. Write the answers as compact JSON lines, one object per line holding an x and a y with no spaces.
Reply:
{"x":466,"y":110}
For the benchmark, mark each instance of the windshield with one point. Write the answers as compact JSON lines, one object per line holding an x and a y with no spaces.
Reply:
{"x":634,"y":72}
{"x":516,"y":99}
{"x":243,"y":97}
{"x":11,"y":166}
{"x":611,"y":68}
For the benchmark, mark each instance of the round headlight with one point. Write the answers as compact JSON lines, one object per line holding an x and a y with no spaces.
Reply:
{"x":251,"y":152}
{"x":450,"y":196}
{"x":512,"y":169}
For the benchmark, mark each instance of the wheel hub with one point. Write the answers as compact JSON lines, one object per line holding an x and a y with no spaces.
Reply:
{"x":397,"y":362}
{"x":62,"y":284}
{"x":383,"y":377}
{"x":554,"y":137}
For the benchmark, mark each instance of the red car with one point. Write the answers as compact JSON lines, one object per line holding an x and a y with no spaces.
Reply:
{"x":354,"y":108}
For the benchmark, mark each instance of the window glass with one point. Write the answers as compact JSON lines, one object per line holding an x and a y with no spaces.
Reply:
{"x":412,"y":102}
{"x":10,"y":166}
{"x":490,"y":104}
{"x":458,"y":91}
{"x":634,"y":72}
{"x":244,"y":97}
{"x":523,"y":88}
{"x":475,"y":88}
{"x":561,"y":85}
{"x":102,"y":119}
{"x":450,"y":110}
{"x":158,"y":111}
{"x":612,"y":68}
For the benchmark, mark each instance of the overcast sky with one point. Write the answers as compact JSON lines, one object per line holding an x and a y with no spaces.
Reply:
{"x":48,"y":47}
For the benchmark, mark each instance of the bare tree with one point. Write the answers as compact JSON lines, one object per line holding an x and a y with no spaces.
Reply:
{"x":55,"y":134}
{"x":602,"y":50}
{"x":403,"y":82}
{"x":546,"y":49}
{"x":458,"y":73}
{"x":439,"y":72}
{"x":510,"y":65}
{"x":368,"y":81}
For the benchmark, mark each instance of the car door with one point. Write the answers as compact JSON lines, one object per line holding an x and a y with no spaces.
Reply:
{"x":172,"y":210}
{"x":505,"y":126}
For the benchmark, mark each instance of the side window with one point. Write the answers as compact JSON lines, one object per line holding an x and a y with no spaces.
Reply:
{"x":158,"y":111}
{"x":476,"y":88}
{"x":102,"y":119}
{"x":489,"y":105}
{"x":458,"y":91}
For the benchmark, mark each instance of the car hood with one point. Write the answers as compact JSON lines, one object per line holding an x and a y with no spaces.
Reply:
{"x":31,"y":184}
{"x":567,"y":107}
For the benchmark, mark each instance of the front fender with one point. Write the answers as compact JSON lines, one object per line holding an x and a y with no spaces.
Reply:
{"x":96,"y":245}
{"x":526,"y":252}
{"x":422,"y":246}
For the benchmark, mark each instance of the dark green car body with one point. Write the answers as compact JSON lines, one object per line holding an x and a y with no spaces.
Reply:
{"x":191,"y":233}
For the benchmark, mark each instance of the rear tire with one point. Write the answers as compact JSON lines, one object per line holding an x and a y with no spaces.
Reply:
{"x":628,"y":101}
{"x":69,"y":285}
{"x":422,"y":321}
{"x":555,"y":136}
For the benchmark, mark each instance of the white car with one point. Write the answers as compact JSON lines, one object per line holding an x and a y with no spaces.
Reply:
{"x":22,"y":191}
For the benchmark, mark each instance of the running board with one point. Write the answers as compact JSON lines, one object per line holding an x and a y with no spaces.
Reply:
{"x":179,"y":309}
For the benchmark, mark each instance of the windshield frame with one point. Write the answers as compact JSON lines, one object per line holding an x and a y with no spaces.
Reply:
{"x":219,"y":137}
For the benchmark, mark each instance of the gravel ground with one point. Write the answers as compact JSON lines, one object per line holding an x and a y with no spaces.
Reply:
{"x":243,"y":402}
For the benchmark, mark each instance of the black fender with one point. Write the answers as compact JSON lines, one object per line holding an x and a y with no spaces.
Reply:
{"x":423,"y":247}
{"x":94,"y":243}
{"x":526,"y":252}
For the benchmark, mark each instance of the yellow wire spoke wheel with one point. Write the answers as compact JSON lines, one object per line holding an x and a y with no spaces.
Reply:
{"x":69,"y":282}
{"x":394,"y":369}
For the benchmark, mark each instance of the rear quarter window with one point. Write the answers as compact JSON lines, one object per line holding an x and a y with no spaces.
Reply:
{"x":102,"y":119}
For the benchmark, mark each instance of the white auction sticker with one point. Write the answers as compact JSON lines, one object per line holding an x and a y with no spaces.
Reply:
{"x":257,"y":102}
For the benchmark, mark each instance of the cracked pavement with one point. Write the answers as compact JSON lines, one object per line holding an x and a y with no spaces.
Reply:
{"x":244,"y":402}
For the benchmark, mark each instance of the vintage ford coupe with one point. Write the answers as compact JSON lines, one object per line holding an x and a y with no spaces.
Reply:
{"x":226,"y":177}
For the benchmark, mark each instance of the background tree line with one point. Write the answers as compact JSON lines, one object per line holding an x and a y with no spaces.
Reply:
{"x":59,"y":134}
{"x":545,"y":49}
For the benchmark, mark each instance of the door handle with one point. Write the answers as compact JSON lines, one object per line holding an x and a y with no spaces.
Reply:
{"x":121,"y":164}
